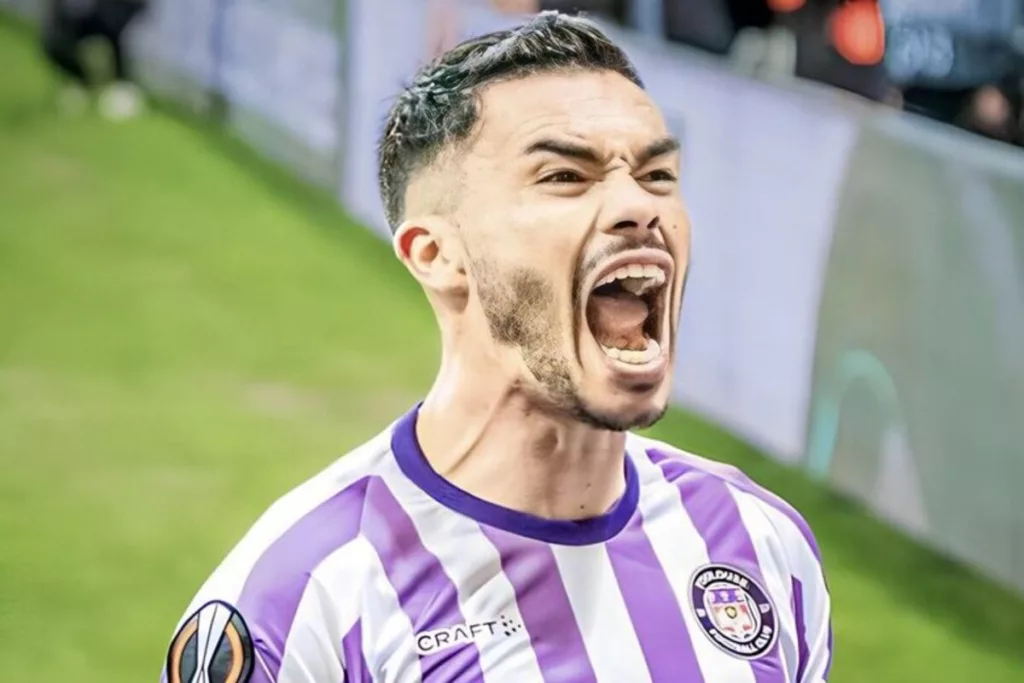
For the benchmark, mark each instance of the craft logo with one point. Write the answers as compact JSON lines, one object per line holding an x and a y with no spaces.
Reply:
{"x":438,"y":640}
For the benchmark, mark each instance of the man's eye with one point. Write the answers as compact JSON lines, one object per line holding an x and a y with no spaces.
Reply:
{"x":660,"y":176}
{"x":563,"y":177}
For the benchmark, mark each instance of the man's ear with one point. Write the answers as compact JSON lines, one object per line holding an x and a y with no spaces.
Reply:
{"x":429,"y":247}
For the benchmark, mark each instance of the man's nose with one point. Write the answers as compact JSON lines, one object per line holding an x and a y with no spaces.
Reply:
{"x":633,"y":209}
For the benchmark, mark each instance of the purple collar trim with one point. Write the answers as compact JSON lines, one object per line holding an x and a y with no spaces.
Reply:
{"x":414,"y":465}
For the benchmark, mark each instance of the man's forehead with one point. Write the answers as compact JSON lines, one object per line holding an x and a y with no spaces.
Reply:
{"x":597,"y":107}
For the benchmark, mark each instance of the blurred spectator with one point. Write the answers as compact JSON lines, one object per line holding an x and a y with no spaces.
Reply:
{"x":704,"y":24}
{"x":959,"y":62}
{"x":994,"y":113}
{"x":67,"y":26}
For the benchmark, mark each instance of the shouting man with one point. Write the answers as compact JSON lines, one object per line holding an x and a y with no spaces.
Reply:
{"x":510,"y":529}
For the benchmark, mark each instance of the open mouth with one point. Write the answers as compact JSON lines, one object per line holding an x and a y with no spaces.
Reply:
{"x":625,"y":312}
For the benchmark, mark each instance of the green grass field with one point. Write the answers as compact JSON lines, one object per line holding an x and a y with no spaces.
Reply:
{"x":185,"y":333}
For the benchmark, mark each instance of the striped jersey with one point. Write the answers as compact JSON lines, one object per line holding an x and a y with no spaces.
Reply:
{"x":379,"y":570}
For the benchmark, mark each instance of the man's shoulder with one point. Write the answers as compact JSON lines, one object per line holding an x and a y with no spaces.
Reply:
{"x":676,"y":464}
{"x":301,"y":529}
{"x":343,"y":475}
{"x":336,"y":493}
{"x":308,"y":539}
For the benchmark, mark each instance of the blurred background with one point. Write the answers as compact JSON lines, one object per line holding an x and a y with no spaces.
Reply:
{"x":197,"y":310}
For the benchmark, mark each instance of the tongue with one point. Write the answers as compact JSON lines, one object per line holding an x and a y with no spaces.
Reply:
{"x":617,"y":319}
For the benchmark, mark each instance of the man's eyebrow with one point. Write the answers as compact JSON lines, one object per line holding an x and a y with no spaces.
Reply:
{"x":588,"y":154}
{"x":665,"y":145}
{"x":561,"y":148}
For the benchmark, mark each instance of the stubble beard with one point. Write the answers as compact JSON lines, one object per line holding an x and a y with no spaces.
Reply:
{"x":521,"y":308}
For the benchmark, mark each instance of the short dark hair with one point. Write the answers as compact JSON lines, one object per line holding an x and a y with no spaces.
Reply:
{"x":441,"y":106}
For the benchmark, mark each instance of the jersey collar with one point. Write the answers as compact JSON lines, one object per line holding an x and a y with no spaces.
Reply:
{"x":414,"y":464}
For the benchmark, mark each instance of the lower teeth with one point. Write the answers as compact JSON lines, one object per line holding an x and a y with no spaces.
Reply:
{"x":652,"y":351}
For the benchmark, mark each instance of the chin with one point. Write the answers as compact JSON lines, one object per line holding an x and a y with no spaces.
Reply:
{"x":619,"y":408}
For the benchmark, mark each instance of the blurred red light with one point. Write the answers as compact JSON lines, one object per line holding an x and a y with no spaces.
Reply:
{"x":858,"y":32}
{"x":786,"y":5}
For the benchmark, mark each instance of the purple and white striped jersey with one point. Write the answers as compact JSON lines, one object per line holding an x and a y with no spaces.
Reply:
{"x":379,"y":570}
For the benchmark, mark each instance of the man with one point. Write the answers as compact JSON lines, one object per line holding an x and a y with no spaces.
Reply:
{"x":509,"y":529}
{"x":960,"y":64}
{"x":67,"y":25}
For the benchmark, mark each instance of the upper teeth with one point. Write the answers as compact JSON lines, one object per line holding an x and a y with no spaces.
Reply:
{"x":635,"y":277}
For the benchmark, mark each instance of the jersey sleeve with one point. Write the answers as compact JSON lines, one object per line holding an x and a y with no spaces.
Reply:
{"x":811,"y":601}
{"x":286,"y":603}
{"x":255,"y":645}
{"x":812,"y":607}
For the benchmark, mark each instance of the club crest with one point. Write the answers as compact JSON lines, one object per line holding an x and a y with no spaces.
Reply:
{"x":734,"y":611}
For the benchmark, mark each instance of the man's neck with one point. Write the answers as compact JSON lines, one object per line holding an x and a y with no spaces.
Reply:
{"x":493,"y":442}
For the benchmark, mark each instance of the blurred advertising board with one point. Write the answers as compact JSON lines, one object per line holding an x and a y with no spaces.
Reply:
{"x":387,"y":41}
{"x":919,"y":370}
{"x":175,"y":43}
{"x":280,"y":71}
{"x":272,"y":68}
